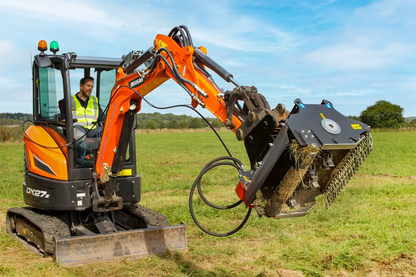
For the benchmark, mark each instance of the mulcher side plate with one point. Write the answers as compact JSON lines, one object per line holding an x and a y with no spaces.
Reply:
{"x":324,"y":127}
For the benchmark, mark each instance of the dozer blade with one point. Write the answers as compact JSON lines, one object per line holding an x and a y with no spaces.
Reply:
{"x":132,"y":244}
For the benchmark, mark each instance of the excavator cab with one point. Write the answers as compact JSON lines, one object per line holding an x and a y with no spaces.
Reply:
{"x":54,"y":86}
{"x":64,"y":218}
{"x":54,"y":83}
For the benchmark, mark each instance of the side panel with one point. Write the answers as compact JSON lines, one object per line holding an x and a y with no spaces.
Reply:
{"x":53,"y":194}
{"x":59,"y":195}
{"x":48,"y":162}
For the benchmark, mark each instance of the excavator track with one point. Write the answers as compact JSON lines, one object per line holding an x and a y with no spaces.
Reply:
{"x":36,"y":229}
{"x":151,"y":218}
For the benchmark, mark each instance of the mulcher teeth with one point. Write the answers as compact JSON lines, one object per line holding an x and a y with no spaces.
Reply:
{"x":349,"y":166}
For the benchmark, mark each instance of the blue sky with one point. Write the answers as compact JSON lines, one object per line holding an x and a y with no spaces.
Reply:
{"x":352,"y":53}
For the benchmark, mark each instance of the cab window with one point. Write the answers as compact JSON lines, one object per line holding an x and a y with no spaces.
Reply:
{"x":50,"y":91}
{"x":107,"y":81}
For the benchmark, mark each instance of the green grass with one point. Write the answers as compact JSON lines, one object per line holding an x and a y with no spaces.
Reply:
{"x":11,"y":171}
{"x":369,"y":229}
{"x":394,"y":153}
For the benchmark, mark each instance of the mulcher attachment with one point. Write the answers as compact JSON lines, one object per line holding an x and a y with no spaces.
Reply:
{"x":315,"y":151}
{"x":294,"y":157}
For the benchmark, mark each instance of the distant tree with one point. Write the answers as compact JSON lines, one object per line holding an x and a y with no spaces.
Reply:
{"x":163,"y":125}
{"x":203,"y":123}
{"x":16,"y":116}
{"x":216,"y":123}
{"x":354,"y":117}
{"x":412,"y":123}
{"x":195,"y":123}
{"x":183,"y":125}
{"x":173,"y":124}
{"x":383,"y":114}
{"x":140,"y":124}
{"x":150,"y":124}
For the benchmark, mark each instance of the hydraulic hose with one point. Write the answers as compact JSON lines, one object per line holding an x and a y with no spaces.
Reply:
{"x":212,"y":164}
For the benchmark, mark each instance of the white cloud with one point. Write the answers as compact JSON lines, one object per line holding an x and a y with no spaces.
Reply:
{"x":349,"y":56}
{"x":7,"y":83}
{"x":5,"y":46}
{"x":388,"y":11}
{"x":13,"y":61}
{"x":51,"y":10}
{"x":375,"y":36}
{"x":258,"y":38}
{"x":354,"y":93}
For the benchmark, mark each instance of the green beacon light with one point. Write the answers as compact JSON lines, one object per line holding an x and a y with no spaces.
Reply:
{"x":54,"y":47}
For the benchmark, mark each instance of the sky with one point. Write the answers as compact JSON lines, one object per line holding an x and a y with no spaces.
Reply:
{"x":352,"y":53}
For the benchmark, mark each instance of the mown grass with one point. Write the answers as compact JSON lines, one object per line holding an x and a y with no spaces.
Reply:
{"x":394,"y":153}
{"x":369,"y":230}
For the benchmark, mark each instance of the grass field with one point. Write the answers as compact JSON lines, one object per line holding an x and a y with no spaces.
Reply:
{"x":370,"y":230}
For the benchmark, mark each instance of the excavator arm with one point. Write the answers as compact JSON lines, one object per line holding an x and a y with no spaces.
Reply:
{"x":168,"y":59}
{"x":294,"y":156}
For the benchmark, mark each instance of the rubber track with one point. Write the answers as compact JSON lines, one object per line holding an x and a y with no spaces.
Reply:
{"x":50,"y":225}
{"x":150,"y":217}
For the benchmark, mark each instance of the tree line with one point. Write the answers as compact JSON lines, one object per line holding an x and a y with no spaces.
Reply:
{"x":382,"y":114}
{"x":14,"y":118}
{"x":170,"y":121}
{"x":144,"y":120}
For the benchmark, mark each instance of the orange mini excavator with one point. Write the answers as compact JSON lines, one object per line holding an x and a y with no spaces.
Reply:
{"x":86,"y":212}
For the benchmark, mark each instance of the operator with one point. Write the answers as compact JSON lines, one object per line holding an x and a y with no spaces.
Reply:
{"x":86,"y":110}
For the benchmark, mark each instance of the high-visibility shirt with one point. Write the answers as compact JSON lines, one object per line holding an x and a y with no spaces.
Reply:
{"x":86,"y":116}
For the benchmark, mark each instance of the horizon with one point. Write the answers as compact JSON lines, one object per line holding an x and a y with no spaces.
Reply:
{"x":197,"y":116}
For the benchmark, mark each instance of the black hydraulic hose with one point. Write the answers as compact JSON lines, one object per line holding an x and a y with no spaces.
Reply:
{"x":187,"y":39}
{"x":172,"y":68}
{"x":183,"y":37}
{"x":212,"y":164}
{"x":175,"y":71}
{"x":181,"y":106}
{"x":188,"y":34}
{"x":209,"y":166}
